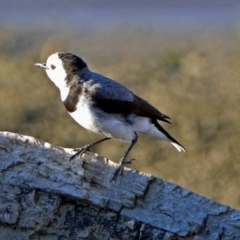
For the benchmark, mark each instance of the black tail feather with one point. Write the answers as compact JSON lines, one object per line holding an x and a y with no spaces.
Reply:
{"x":161,"y":129}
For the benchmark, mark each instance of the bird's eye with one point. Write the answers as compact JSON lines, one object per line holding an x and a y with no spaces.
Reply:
{"x":53,"y":67}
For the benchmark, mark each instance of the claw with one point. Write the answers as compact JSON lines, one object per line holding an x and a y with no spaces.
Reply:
{"x":129,"y":161}
{"x":119,"y":170}
{"x":76,"y":149}
{"x":79,"y":152}
{"x":123,"y":159}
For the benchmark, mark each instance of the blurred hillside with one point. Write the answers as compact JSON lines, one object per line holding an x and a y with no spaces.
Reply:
{"x":193,"y":78}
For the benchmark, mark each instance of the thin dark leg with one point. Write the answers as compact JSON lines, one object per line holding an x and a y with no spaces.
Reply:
{"x":82,"y":150}
{"x":123,"y":160}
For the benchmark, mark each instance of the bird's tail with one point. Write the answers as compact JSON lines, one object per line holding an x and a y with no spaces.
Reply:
{"x":168,"y":137}
{"x":179,"y":147}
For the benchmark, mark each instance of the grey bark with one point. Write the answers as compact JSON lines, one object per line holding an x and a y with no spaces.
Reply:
{"x":44,"y":196}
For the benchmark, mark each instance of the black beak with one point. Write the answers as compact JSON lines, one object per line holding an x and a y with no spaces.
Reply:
{"x":42,"y":65}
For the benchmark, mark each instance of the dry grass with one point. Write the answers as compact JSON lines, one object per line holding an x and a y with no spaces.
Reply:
{"x":192,"y":77}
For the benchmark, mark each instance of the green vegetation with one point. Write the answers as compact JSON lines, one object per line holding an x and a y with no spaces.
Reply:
{"x":193,"y":77}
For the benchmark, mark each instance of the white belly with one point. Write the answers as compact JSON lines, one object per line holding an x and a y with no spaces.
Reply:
{"x":114,"y":125}
{"x":85,"y":117}
{"x":95,"y":120}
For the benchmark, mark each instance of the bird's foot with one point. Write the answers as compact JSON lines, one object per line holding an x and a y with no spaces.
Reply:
{"x":80,"y":151}
{"x":119,"y":170}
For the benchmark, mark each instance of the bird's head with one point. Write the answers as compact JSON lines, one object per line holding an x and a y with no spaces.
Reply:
{"x":61,"y":67}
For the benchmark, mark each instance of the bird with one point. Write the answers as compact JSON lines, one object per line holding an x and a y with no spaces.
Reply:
{"x":104,"y":106}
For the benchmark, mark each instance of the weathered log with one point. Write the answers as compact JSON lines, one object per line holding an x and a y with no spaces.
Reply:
{"x":44,"y":196}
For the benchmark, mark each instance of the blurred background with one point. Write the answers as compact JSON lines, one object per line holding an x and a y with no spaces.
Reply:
{"x":181,"y":56}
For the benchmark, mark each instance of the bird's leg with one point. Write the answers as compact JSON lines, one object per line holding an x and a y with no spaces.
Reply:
{"x":87,"y":147}
{"x":123,"y":160}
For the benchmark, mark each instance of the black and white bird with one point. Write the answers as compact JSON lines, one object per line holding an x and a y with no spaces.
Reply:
{"x":103,"y":105}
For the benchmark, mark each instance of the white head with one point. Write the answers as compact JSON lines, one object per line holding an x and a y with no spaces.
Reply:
{"x":55,"y":70}
{"x":60,"y":67}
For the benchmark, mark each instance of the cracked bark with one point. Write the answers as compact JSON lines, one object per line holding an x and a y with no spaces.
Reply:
{"x":43,"y":196}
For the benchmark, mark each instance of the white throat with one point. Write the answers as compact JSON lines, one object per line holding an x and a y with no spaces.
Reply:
{"x":58,"y":75}
{"x":64,"y":93}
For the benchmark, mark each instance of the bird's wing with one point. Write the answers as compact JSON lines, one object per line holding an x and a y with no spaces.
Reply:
{"x":112,"y":97}
{"x":145,"y":109}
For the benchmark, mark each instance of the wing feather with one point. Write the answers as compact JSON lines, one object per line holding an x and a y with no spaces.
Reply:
{"x":138,"y":106}
{"x":112,"y":97}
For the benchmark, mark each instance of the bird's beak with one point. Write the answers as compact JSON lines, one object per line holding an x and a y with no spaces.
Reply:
{"x":42,"y":65}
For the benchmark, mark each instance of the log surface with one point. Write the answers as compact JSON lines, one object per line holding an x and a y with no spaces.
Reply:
{"x":44,"y":196}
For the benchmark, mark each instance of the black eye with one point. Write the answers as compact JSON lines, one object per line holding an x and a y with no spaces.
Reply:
{"x":53,"y":67}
